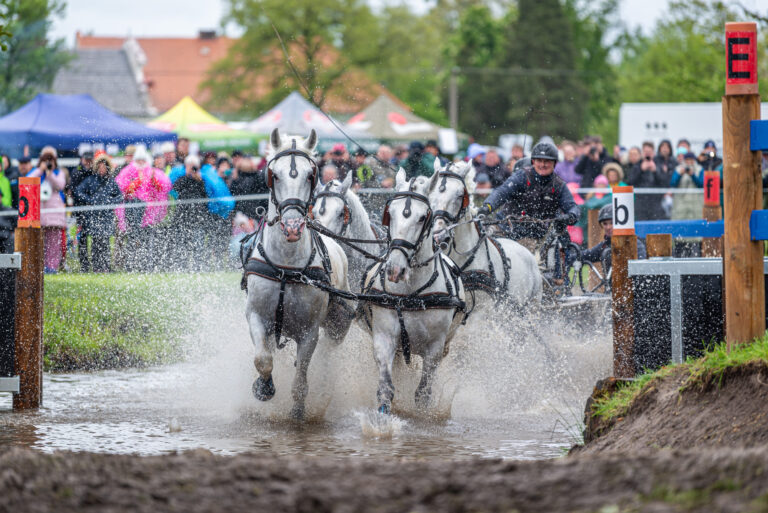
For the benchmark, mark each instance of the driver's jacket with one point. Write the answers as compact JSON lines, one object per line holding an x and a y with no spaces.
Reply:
{"x":526,"y":193}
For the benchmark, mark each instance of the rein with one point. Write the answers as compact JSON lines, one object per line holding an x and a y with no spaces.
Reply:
{"x":301,"y":205}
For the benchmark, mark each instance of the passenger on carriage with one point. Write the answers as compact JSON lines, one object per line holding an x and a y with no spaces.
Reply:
{"x":601,"y":252}
{"x":534,"y":192}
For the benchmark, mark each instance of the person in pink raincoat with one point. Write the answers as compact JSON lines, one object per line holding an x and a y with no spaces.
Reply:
{"x":140,"y":182}
{"x":52,"y":182}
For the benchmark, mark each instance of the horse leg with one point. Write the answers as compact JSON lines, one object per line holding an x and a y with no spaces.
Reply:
{"x":304,"y":350}
{"x":384,"y":354}
{"x":431,"y":360}
{"x":263,"y":388}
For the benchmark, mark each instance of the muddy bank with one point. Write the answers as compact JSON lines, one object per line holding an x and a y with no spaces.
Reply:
{"x":730,"y":409}
{"x":716,"y":480}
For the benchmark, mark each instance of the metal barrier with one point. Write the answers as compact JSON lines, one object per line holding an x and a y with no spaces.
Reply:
{"x":10,"y":264}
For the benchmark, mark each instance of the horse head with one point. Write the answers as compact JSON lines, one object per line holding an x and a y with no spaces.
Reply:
{"x":450,"y":200}
{"x":409,"y":218}
{"x":331,"y":208}
{"x":291,"y":177}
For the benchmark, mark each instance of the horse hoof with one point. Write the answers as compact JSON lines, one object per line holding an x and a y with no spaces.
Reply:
{"x":297,"y":412}
{"x":384,"y":409}
{"x":263,"y":390}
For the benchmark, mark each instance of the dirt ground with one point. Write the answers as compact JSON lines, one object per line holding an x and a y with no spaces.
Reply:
{"x":711,"y":480}
{"x":731,"y":411}
{"x":702,"y":450}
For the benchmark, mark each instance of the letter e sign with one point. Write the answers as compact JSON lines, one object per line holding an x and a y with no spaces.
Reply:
{"x":740,"y":58}
{"x":623,"y":210}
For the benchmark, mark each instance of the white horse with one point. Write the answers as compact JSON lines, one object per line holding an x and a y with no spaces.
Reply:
{"x":284,"y":263}
{"x":340,"y":211}
{"x":496,"y":268}
{"x":418,"y":297}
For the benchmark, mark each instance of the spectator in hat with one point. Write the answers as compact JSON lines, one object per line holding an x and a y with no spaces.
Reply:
{"x":338,"y":157}
{"x":191,"y":221}
{"x":128,"y":156}
{"x":169,"y":152}
{"x":364,"y":177}
{"x":52,"y":183}
{"x":475,"y":154}
{"x":418,"y":162}
{"x":249,"y":181}
{"x":708,"y":158}
{"x":99,"y":188}
{"x":182,"y":150}
{"x":158,"y":160}
{"x":225,"y":170}
{"x":83,"y":170}
{"x":645,"y":174}
{"x":591,"y":164}
{"x":140,"y":182}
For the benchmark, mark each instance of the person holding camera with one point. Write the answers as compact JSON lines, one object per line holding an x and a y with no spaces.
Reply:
{"x":191,"y":221}
{"x":590,"y":166}
{"x":645,"y":174}
{"x":52,"y":183}
{"x":687,"y":175}
{"x":708,"y":158}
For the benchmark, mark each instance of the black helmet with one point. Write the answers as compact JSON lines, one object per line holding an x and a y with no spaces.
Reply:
{"x":520,"y":164}
{"x":545,"y":151}
{"x":605,"y":213}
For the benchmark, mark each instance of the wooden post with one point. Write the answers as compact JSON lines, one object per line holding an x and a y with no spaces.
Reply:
{"x":658,"y":244}
{"x":28,"y":361}
{"x":743,"y":258}
{"x":711,"y":246}
{"x":594,"y":236}
{"x":623,"y":249}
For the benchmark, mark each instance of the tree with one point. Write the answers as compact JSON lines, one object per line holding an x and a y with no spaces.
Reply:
{"x":543,"y":92}
{"x":30,"y":62}
{"x":322,"y":38}
{"x":4,"y":34}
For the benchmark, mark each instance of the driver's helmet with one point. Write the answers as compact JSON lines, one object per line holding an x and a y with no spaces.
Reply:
{"x":605,"y":214}
{"x":544,"y":151}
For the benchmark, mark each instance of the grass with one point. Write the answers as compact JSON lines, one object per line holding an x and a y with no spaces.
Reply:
{"x":706,"y":369}
{"x":95,"y":321}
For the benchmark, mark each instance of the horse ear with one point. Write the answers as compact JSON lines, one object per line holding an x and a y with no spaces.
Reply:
{"x":437,"y":165}
{"x":274,"y":139}
{"x":311,"y":141}
{"x":400,"y":178}
{"x":463,"y":171}
{"x":435,"y":178}
{"x":346,"y":183}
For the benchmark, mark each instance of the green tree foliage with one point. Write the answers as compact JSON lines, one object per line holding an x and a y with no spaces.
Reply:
{"x":548,"y":95}
{"x":30,"y":62}
{"x":4,"y":34}
{"x":323,"y":38}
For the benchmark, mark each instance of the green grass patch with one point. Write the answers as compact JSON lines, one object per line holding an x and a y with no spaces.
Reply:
{"x":96,"y":321}
{"x":699,"y":371}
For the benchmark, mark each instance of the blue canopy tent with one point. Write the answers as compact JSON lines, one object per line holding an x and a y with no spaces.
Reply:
{"x":65,"y":121}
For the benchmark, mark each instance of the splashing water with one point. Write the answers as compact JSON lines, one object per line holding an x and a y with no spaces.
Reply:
{"x":510,"y":387}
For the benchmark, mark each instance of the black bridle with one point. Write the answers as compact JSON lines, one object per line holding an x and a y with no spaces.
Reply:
{"x":325,"y":193}
{"x":444,"y":214}
{"x":402,"y":244}
{"x":303,"y":206}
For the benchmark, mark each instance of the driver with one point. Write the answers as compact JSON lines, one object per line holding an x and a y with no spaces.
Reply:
{"x":535,"y":191}
{"x":601,"y":252}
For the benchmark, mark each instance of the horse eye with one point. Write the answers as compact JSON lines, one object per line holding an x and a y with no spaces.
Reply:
{"x":341,"y":214}
{"x":422,"y":219}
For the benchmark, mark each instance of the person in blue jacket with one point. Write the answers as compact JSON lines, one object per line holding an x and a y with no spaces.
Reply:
{"x":535,"y":192}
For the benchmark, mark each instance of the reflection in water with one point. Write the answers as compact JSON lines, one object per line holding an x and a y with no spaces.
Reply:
{"x":511,"y":390}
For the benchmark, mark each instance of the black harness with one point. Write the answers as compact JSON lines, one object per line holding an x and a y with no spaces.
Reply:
{"x":416,"y":300}
{"x":302,"y":206}
{"x":325,"y":193}
{"x":307,"y":275}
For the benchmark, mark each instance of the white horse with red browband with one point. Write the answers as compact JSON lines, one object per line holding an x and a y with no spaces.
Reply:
{"x":283,"y":262}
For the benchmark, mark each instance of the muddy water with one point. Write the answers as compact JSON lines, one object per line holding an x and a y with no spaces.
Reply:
{"x":514,"y":389}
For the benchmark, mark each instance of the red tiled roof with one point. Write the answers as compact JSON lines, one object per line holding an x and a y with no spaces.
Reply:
{"x":176,"y":66}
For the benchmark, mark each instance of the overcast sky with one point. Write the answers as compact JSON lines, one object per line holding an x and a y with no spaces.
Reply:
{"x":186,"y":17}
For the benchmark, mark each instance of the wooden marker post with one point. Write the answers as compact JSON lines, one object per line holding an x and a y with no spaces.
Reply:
{"x":711,"y":247}
{"x":742,"y":181}
{"x":28,"y":361}
{"x":594,"y":236}
{"x":658,"y":244}
{"x":623,"y":249}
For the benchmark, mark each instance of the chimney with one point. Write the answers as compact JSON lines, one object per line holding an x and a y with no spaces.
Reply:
{"x":207,"y":34}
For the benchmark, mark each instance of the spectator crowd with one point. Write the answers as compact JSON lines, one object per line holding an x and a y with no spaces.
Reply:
{"x":152,"y":226}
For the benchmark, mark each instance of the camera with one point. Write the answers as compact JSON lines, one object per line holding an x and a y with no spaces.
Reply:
{"x":687,"y":169}
{"x":647,"y":158}
{"x":593,"y":149}
{"x":711,"y":154}
{"x":194,"y":169}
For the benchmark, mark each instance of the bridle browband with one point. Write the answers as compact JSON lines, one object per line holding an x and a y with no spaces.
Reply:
{"x":302,"y":206}
{"x":402,"y":244}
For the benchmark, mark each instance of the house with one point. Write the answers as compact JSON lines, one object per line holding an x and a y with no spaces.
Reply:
{"x":111,"y":77}
{"x":175,"y":67}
